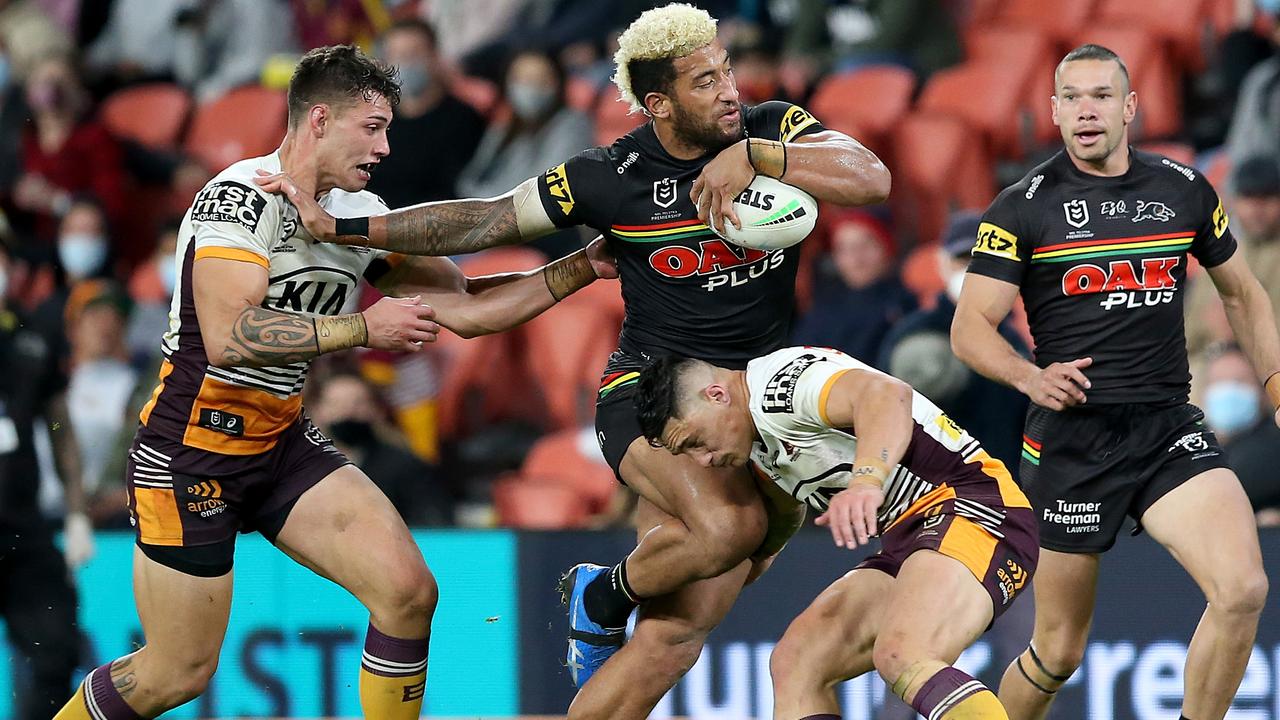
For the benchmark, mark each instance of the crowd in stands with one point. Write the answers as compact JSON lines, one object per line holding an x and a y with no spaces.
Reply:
{"x":113,"y":114}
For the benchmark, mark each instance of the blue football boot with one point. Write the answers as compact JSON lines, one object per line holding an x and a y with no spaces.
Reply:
{"x":590,"y":645}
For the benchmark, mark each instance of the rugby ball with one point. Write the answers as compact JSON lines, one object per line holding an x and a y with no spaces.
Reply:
{"x":774,"y":215}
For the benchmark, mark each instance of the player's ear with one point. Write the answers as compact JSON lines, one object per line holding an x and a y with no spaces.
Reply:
{"x":658,"y":105}
{"x":718,"y":394}
{"x":318,"y":119}
{"x":1053,"y":108}
{"x":1130,"y":107}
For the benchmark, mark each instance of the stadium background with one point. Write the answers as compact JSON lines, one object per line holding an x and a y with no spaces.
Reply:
{"x":487,"y":441}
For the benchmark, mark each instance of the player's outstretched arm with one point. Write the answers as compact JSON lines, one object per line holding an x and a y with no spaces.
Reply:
{"x":878,"y":409}
{"x":238,"y":331}
{"x":1252,"y":320}
{"x":975,"y":338}
{"x":451,"y":227}
{"x":483,"y":305}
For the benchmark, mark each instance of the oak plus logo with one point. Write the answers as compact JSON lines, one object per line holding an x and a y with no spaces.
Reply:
{"x":1147,"y":283}
{"x":724,"y":265}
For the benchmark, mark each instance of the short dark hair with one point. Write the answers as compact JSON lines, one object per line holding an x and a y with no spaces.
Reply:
{"x":1090,"y":51}
{"x":657,"y":395}
{"x":339,"y":74}
{"x":656,"y":75}
{"x":412,"y":24}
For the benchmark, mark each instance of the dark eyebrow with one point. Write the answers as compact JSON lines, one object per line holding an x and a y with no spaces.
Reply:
{"x":380,"y":116}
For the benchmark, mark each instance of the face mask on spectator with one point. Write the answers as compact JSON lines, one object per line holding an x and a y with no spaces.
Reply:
{"x":414,"y":79}
{"x":954,"y":283}
{"x":168,"y":275}
{"x":4,"y":283}
{"x":530,"y":102}
{"x":1270,"y":7}
{"x":4,"y":71}
{"x":82,"y":254}
{"x":1231,"y":406}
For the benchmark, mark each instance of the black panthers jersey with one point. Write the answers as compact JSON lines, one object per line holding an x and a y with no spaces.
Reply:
{"x":1102,"y":263}
{"x":687,"y":292}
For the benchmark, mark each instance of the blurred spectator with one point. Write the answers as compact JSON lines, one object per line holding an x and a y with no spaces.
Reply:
{"x":138,"y":42}
{"x":1255,"y":128}
{"x":29,"y":36}
{"x":347,"y":409}
{"x":83,"y":253}
{"x":37,"y":598}
{"x":755,"y":68}
{"x":101,"y":384}
{"x":468,"y":24}
{"x":837,"y":35}
{"x":65,"y":151}
{"x":222,"y":44}
{"x":918,"y":350}
{"x":1255,"y":222}
{"x":434,"y":134}
{"x":541,"y":132}
{"x":857,"y":296}
{"x":1238,"y":413}
{"x":151,"y":289}
{"x":1216,"y":91}
{"x":338,"y":22}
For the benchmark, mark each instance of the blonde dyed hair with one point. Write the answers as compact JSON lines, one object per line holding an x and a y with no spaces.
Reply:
{"x":670,"y":31}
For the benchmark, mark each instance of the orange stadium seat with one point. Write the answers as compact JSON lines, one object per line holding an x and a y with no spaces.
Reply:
{"x":559,"y":343}
{"x":246,"y":122}
{"x":152,"y":115}
{"x":866,"y":103}
{"x":1151,"y":75}
{"x":942,"y":165}
{"x":613,"y":119}
{"x":1059,"y":20}
{"x":921,"y":276}
{"x":481,"y":94}
{"x":1181,"y":25}
{"x":535,"y":505}
{"x":987,"y":95}
{"x":559,"y":459}
{"x":1030,"y":47}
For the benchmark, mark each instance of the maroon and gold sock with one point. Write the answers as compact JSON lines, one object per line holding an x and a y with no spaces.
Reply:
{"x":393,"y":676}
{"x":97,"y":699}
{"x":953,"y":695}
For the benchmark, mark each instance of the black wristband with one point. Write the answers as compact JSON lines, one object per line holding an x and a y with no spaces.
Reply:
{"x":351,"y":226}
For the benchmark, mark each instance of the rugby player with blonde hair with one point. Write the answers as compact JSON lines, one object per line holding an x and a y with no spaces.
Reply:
{"x":654,"y":194}
{"x":224,"y":445}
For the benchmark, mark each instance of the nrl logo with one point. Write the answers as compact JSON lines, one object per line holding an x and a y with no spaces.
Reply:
{"x":664,"y":192}
{"x":1077,"y":212}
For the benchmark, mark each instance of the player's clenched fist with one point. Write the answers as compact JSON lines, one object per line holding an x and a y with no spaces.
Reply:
{"x":851,"y":516}
{"x":1059,"y":386}
{"x":400,"y":324}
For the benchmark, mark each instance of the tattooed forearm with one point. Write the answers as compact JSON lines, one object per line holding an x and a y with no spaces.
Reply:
{"x":447,"y":228}
{"x":262,"y":337}
{"x":568,"y":274}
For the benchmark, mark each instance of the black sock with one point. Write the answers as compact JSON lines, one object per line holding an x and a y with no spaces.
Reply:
{"x":609,"y":598}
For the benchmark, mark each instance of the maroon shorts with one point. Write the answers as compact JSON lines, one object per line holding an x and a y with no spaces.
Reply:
{"x":188,"y":504}
{"x":999,"y":545}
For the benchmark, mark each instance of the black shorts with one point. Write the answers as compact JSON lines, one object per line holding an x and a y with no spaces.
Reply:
{"x":1085,"y":469}
{"x":616,"y":423}
{"x":187,"y":505}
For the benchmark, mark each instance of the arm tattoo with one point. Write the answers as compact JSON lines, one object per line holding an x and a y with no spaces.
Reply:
{"x":450,"y":228}
{"x":262,"y":337}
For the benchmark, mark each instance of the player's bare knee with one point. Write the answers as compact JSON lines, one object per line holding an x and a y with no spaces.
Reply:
{"x":1241,"y":594}
{"x":790,"y":660}
{"x":410,"y":595}
{"x":1061,"y":654}
{"x":892,"y":654}
{"x":728,"y":536}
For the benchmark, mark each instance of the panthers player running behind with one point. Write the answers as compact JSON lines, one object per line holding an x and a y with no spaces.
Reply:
{"x":702,"y":531}
{"x":224,"y":445}
{"x":1097,"y":241}
{"x":958,"y":538}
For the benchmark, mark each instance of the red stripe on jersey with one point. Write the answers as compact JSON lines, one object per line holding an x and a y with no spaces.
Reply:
{"x":1031,"y":442}
{"x":1115,"y":241}
{"x":659,"y":226}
